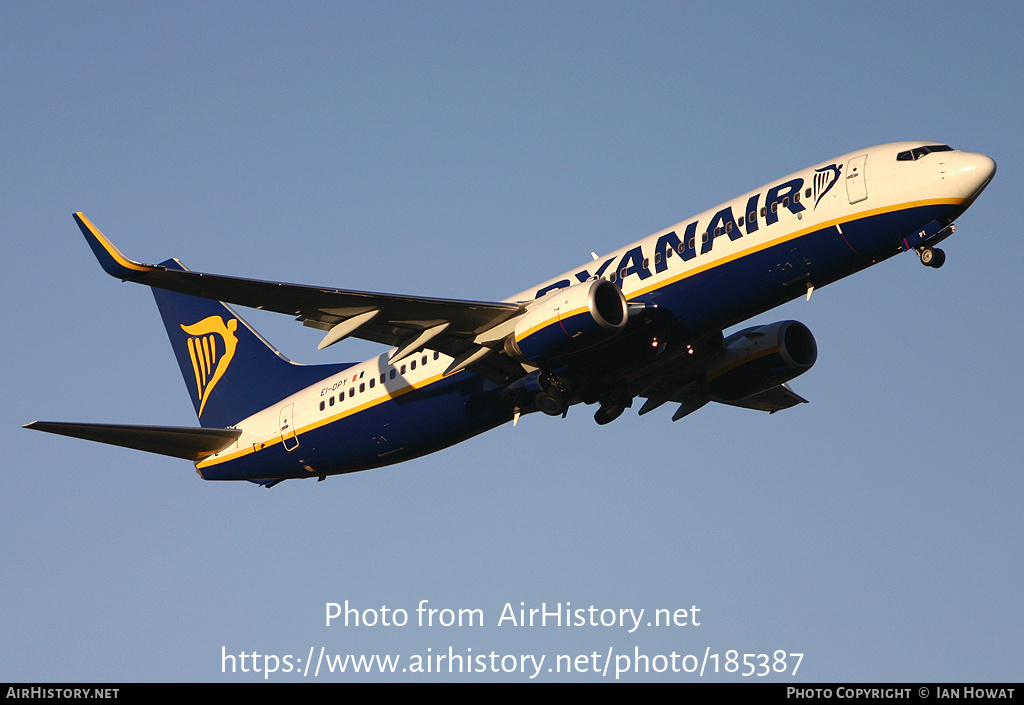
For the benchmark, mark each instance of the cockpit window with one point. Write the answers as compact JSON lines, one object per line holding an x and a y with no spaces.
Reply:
{"x":912,"y":155}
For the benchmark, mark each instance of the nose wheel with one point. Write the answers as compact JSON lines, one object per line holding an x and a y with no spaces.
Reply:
{"x":932,"y":257}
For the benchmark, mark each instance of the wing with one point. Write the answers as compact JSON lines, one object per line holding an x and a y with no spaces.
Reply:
{"x":468,"y":331}
{"x":770,"y":400}
{"x":693,"y":395}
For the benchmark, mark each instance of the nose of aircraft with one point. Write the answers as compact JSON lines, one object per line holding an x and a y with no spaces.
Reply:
{"x":971,"y":172}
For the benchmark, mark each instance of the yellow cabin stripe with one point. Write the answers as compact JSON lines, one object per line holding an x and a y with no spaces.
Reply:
{"x":320,"y":422}
{"x":792,"y":236}
{"x":751,"y":250}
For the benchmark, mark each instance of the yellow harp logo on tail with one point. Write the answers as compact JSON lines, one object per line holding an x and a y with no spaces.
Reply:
{"x":211,"y":346}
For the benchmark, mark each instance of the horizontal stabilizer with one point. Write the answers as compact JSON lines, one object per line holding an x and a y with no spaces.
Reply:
{"x":181,"y":442}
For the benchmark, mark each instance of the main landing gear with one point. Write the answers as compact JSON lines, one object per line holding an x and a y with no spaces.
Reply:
{"x":609,"y":412}
{"x":932,"y":257}
{"x":554,"y":399}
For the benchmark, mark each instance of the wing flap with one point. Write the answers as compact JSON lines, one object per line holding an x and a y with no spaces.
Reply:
{"x":180,"y":442}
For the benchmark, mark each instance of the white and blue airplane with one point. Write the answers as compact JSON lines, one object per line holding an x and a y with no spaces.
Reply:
{"x":644,"y":321}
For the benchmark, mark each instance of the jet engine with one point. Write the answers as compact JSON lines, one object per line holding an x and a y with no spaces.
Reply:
{"x":569,"y":320}
{"x":759,"y":358}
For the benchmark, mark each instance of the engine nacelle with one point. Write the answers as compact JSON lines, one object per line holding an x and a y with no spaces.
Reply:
{"x":762,"y":357}
{"x":569,"y":320}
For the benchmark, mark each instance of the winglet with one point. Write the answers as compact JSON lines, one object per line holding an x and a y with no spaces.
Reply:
{"x":113,"y":262}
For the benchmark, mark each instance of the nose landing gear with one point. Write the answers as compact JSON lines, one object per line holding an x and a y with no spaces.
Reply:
{"x":932,"y":257}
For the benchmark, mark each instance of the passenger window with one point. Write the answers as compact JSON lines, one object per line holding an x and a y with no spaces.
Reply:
{"x":764,"y":211}
{"x":412,"y":365}
{"x":351,"y":392}
{"x":436,"y":354}
{"x":331,"y":401}
{"x":402,"y":369}
{"x":391,"y":375}
{"x":373,"y":382}
{"x":362,"y":387}
{"x":322,"y":405}
{"x":424,"y":360}
{"x":657,"y":257}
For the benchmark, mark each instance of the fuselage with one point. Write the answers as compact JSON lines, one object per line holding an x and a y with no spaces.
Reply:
{"x":709,"y":272}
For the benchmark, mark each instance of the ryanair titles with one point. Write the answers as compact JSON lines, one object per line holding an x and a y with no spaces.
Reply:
{"x":695,"y":239}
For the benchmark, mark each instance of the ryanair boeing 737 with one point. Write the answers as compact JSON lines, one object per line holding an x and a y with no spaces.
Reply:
{"x":645,"y":321}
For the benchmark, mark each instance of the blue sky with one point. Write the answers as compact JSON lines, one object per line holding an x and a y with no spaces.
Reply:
{"x":469,"y":150}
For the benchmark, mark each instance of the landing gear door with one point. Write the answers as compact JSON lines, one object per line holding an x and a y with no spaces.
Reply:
{"x":856,"y":183}
{"x":288,"y":437}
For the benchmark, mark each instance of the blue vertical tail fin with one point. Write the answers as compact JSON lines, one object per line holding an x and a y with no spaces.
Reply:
{"x":230,"y":371}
